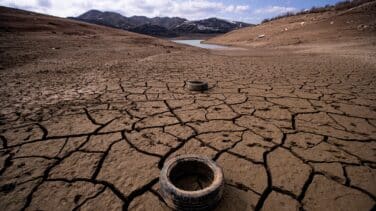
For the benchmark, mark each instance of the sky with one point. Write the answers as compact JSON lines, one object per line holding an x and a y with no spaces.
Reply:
{"x":251,"y":11}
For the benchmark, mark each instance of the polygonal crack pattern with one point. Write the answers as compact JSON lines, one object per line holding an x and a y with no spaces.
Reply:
{"x":289,"y":133}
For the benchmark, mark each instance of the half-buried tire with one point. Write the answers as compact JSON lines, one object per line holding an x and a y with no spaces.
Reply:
{"x":197,"y":85}
{"x":191,"y":182}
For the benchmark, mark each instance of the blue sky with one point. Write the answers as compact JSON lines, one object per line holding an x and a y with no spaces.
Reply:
{"x":252,"y":11}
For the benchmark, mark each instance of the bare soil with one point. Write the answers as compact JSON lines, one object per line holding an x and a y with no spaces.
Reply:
{"x":89,"y":115}
{"x":354,"y":26}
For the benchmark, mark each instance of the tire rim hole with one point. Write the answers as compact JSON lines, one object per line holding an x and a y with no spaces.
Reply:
{"x":196,"y":82}
{"x":191,"y":175}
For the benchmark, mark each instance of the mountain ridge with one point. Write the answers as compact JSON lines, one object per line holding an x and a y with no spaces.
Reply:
{"x":160,"y":26}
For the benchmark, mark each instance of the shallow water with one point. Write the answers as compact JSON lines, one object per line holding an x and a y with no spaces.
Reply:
{"x":197,"y":43}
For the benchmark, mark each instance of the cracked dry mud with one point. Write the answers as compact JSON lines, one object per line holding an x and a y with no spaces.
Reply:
{"x":85,"y":128}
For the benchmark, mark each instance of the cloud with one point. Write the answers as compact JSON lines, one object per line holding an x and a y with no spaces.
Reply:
{"x":275,"y":10}
{"x":191,"y":9}
{"x":44,"y":3}
{"x":237,"y":8}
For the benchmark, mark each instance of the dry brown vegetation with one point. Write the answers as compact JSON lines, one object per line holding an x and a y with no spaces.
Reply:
{"x":349,"y":27}
{"x":343,"y":5}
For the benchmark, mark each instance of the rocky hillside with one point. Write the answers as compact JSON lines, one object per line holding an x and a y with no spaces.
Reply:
{"x":334,"y":26}
{"x":210,"y":25}
{"x":160,"y":26}
{"x":154,"y":30}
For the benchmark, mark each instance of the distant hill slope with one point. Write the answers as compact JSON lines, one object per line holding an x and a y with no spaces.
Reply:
{"x":154,"y":30}
{"x":210,"y":25}
{"x":116,"y":20}
{"x":28,"y":36}
{"x":160,"y":26}
{"x":357,"y":23}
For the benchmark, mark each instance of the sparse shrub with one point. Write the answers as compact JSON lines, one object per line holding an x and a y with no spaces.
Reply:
{"x":265,"y":20}
{"x":287,"y":14}
{"x":343,"y":5}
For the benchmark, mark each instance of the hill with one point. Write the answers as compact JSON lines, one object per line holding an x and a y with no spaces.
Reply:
{"x":36,"y":37}
{"x":154,"y":30}
{"x":330,"y":26}
{"x":208,"y":26}
{"x":160,"y":26}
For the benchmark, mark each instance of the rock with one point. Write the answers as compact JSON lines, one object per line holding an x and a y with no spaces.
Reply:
{"x":362,"y":27}
{"x":261,"y":36}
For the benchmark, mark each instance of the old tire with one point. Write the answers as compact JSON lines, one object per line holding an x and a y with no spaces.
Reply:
{"x":197,"y":85}
{"x":178,"y":198}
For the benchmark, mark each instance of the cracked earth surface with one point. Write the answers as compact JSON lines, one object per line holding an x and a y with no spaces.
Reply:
{"x":83,"y":129}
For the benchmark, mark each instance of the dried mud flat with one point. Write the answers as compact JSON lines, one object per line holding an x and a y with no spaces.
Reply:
{"x":89,"y":115}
